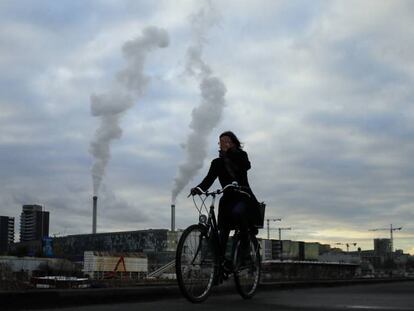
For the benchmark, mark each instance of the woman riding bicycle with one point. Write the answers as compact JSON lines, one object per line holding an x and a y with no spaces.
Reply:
{"x":235,"y":209}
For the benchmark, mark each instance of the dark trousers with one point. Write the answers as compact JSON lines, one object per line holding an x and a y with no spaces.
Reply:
{"x":236,"y":216}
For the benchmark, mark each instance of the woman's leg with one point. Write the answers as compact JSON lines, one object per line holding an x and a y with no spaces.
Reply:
{"x":224,"y":237}
{"x":241,"y":220}
{"x":224,"y":223}
{"x":231,"y":217}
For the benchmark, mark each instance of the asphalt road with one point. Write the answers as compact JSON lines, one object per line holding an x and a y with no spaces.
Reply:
{"x":382,"y":296}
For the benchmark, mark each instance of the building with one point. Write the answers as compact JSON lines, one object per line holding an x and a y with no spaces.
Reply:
{"x":346,"y":257}
{"x":147,"y":241}
{"x":6,"y":233}
{"x":289,"y":250}
{"x":154,"y":243}
{"x":400,"y":258}
{"x":382,"y":247}
{"x":34,"y":223}
{"x":172,"y":239}
{"x":26,"y":267}
{"x":266,"y":249}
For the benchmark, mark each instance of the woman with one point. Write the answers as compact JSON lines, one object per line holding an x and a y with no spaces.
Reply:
{"x":234,"y":207}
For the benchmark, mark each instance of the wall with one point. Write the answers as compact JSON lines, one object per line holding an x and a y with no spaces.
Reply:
{"x":303,"y":270}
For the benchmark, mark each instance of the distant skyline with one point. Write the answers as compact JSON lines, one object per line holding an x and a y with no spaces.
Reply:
{"x":319,"y":92}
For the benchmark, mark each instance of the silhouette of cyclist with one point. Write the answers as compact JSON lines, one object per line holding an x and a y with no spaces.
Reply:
{"x":235,"y":209}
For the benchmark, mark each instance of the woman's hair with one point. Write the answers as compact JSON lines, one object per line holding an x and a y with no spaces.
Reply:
{"x":233,"y":138}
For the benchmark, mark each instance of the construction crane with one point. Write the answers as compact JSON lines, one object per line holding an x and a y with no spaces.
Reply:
{"x":347,"y":245}
{"x":391,"y":229}
{"x":268,"y":225}
{"x":280,"y":231}
{"x":280,"y":238}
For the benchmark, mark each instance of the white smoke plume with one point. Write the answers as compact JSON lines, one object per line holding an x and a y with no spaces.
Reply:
{"x":128,"y":86}
{"x":207,"y":115}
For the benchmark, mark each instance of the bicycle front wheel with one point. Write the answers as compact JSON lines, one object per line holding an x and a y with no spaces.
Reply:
{"x":247,"y":268}
{"x":195,"y":264}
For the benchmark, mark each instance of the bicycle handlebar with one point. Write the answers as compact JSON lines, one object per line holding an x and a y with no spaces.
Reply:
{"x":233,"y":185}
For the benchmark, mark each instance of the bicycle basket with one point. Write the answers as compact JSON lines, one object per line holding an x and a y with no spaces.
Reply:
{"x":260,"y":214}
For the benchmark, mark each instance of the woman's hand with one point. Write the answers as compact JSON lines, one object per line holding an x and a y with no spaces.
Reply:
{"x":196,"y":191}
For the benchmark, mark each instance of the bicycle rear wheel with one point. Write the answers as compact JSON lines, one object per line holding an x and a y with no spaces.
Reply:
{"x":195,"y":264}
{"x":247,"y":268}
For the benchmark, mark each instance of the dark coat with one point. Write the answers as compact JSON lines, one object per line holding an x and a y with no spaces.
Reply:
{"x":228,"y":167}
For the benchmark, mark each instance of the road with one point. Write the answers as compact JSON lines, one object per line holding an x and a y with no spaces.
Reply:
{"x":382,"y":296}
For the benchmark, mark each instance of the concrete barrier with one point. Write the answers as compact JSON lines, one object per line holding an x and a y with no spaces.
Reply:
{"x":292,"y":270}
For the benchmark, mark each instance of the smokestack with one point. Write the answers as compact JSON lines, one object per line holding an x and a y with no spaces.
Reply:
{"x":95,"y":201}
{"x":172,"y":217}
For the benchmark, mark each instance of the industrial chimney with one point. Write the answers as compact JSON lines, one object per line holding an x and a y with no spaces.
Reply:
{"x":173,"y":217}
{"x":95,"y":201}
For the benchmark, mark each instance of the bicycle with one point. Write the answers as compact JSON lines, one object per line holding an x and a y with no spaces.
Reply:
{"x":199,"y":261}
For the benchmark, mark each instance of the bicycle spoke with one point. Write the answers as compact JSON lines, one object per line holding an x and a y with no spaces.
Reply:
{"x":247,"y":274}
{"x":195,"y":264}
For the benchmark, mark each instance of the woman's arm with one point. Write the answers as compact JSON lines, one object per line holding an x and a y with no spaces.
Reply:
{"x":211,"y":176}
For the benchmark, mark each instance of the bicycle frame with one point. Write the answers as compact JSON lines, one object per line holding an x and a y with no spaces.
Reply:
{"x":211,"y":223}
{"x":211,"y":226}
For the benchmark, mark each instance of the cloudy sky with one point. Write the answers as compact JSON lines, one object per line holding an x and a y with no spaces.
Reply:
{"x":320,"y":93}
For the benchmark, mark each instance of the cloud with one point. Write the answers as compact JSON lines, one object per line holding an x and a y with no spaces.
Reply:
{"x":321,"y":95}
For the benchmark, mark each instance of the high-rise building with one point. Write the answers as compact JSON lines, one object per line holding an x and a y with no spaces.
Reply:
{"x":34,"y":223}
{"x":382,"y":247}
{"x":6,"y":233}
